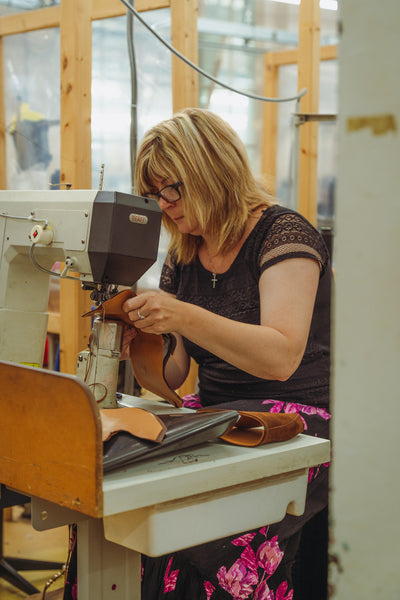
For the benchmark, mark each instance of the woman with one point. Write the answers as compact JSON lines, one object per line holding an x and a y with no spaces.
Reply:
{"x":245,"y":292}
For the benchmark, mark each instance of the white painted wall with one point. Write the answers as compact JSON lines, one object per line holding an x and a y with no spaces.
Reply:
{"x":365,"y":506}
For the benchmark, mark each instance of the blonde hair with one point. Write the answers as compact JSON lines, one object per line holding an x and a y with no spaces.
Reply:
{"x":219,"y":191}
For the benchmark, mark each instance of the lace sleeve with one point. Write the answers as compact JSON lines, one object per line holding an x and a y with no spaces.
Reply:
{"x":292,"y":236}
{"x":169,"y":276}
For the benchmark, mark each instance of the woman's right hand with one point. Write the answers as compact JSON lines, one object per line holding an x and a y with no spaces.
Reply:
{"x":129,"y":334}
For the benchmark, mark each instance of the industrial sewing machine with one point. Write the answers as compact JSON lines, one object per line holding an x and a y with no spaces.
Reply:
{"x":104,"y":239}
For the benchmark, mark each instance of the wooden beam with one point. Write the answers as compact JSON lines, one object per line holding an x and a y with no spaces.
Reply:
{"x":74,"y":330}
{"x":308,"y":77}
{"x":329,"y":52}
{"x":104,"y":9}
{"x":184,"y":38}
{"x":43,"y":18}
{"x":75,"y":117}
{"x":3,"y":179}
{"x":291,"y":57}
{"x":76,"y":169}
{"x":284,"y":57}
{"x":185,"y":92}
{"x":270,"y":123}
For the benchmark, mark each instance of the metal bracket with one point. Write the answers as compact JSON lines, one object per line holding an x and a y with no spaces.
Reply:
{"x":301,"y":118}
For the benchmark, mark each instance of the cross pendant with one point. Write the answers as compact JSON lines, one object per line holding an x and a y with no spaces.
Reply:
{"x":214,"y":279}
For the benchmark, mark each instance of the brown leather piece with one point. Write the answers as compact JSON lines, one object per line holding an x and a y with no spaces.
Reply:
{"x":112,"y":308}
{"x":257,"y":428}
{"x":147,"y":360}
{"x":136,"y":421}
{"x":146,"y":350}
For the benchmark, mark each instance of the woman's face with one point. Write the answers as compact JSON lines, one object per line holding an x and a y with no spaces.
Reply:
{"x":173,"y":210}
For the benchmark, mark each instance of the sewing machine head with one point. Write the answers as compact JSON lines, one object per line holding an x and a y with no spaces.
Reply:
{"x":105,"y":239}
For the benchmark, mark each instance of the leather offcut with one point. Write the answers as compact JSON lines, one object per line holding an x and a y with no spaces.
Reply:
{"x":136,"y":421}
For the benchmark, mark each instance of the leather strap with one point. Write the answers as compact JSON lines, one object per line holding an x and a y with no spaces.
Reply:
{"x":146,"y":351}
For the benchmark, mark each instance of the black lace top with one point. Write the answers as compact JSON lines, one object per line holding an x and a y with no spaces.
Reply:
{"x":279,"y":234}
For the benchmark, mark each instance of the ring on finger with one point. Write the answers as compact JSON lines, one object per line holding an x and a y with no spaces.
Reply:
{"x":139,"y":315}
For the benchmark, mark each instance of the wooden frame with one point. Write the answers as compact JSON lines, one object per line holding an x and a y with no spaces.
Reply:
{"x":307,"y":57}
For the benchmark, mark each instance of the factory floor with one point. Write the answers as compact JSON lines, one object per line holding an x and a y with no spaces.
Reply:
{"x":20,"y":540}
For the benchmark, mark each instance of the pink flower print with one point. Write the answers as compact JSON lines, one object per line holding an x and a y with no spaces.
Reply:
{"x":281,"y":592}
{"x":191,"y":401}
{"x":238,"y":581}
{"x":290,"y":407}
{"x":244,"y":540}
{"x":209,"y":588}
{"x":249,"y":559}
{"x":262,"y":592}
{"x":170,"y":579}
{"x":314,"y":410}
{"x":314,"y":471}
{"x":295,"y":407}
{"x":269,"y":555}
{"x":277,"y":407}
{"x":74,"y":591}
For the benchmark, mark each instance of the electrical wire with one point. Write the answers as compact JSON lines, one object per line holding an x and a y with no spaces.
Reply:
{"x":134,"y":92}
{"x":47,"y":271}
{"x":29,"y":218}
{"x":204,"y":73}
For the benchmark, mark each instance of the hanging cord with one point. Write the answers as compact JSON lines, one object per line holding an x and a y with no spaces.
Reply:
{"x":62,"y":275}
{"x":52,"y":579}
{"x":132,"y":63}
{"x":204,"y":73}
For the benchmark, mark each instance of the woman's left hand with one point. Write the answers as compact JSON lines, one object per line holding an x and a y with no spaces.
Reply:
{"x":153,"y":312}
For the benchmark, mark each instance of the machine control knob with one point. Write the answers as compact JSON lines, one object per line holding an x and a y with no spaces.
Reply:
{"x":41,"y":235}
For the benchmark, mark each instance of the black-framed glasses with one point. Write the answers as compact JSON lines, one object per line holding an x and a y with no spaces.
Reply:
{"x":169,"y":193}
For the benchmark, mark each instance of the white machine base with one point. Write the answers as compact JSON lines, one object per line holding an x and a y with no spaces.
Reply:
{"x":205,"y":517}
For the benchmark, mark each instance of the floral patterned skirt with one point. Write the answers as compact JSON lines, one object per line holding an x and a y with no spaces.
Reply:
{"x":258,"y":564}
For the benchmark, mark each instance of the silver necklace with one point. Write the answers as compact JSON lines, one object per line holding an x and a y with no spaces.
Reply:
{"x":214,"y":279}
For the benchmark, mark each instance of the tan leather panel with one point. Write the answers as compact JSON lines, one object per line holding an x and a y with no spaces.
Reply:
{"x":135,"y":421}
